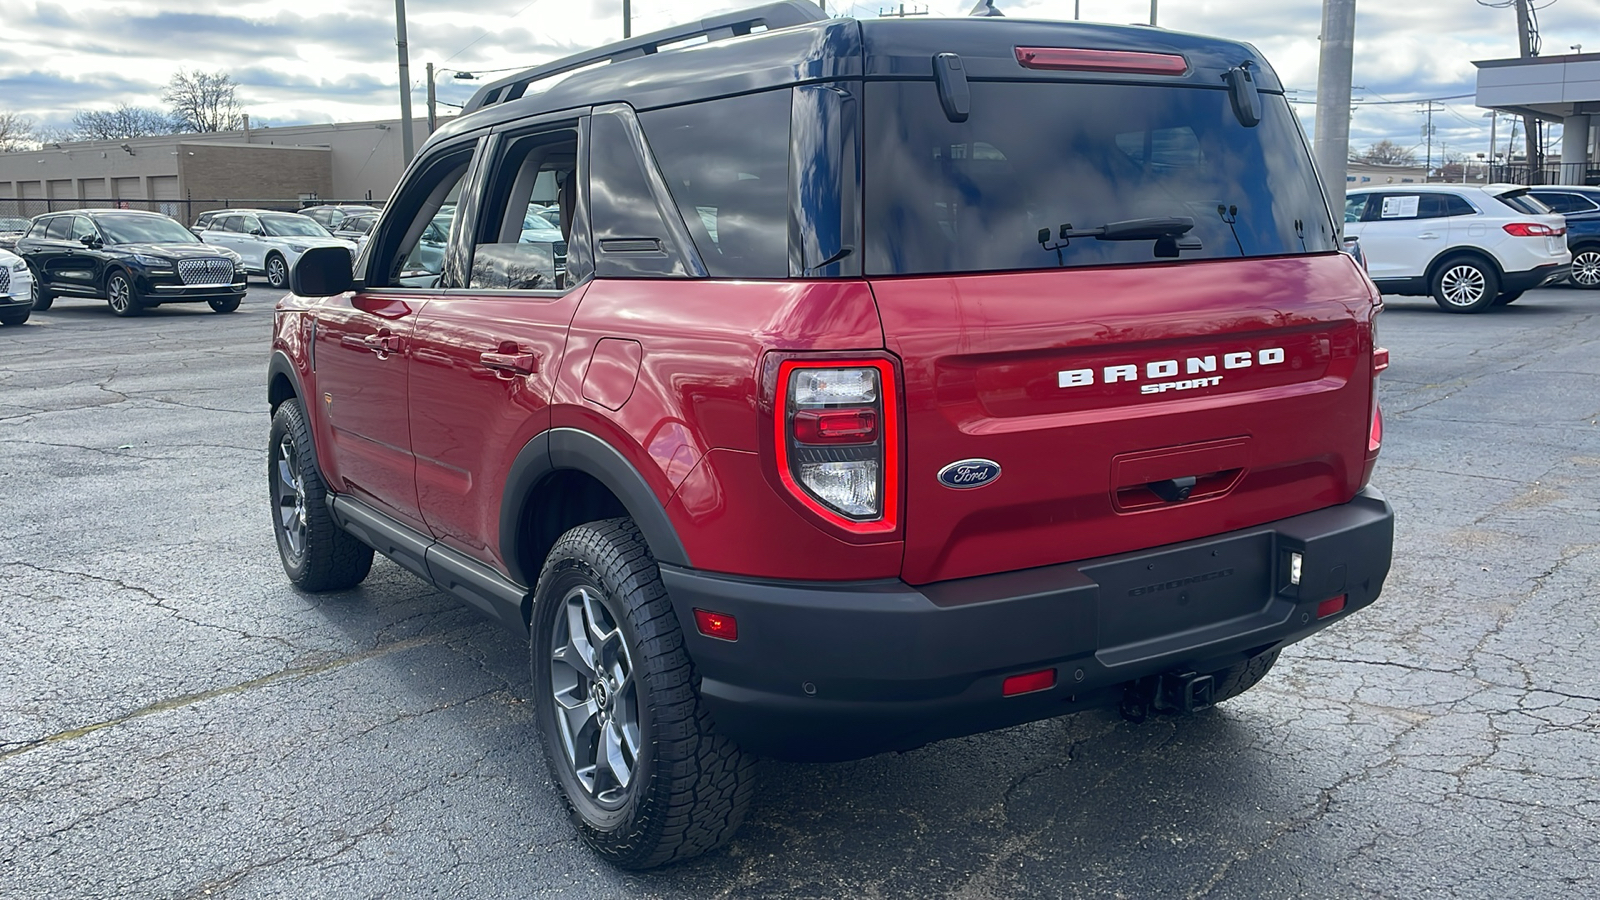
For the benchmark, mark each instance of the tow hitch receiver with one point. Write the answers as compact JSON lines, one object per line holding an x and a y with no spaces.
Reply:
{"x":1173,"y":692}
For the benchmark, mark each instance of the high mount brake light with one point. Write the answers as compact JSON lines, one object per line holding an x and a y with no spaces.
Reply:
{"x":838,"y":441}
{"x":1532,"y":229}
{"x":1085,"y":60}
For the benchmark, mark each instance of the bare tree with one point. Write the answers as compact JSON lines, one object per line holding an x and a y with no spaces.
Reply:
{"x":16,"y":132}
{"x":204,"y":101}
{"x":1388,"y":153}
{"x":121,"y":123}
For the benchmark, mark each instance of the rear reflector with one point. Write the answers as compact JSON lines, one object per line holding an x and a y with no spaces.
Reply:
{"x":1081,"y":60}
{"x":1026,"y":684}
{"x":716,"y":625}
{"x":1330,"y":606}
{"x":1380,"y":360}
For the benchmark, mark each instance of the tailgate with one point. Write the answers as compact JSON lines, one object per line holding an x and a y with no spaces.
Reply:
{"x":1101,"y":392}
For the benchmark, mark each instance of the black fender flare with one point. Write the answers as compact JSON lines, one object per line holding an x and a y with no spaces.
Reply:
{"x":280,"y":364}
{"x":570,"y":448}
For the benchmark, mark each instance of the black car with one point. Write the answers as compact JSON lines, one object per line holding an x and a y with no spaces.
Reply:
{"x":132,"y":260}
{"x":1581,"y":206}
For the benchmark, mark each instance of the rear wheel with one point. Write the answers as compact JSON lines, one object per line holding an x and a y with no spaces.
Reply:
{"x":277,"y":271}
{"x":646,"y":778}
{"x":121,"y":296}
{"x":41,"y":297}
{"x":317,"y":554}
{"x":1465,"y":284}
{"x":1586,"y":268}
{"x":1507,"y":298}
{"x":225,"y":305}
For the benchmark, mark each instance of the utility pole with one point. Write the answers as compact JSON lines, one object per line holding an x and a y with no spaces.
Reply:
{"x":1427,"y":137}
{"x":433,"y":115}
{"x":1332,"y":141}
{"x":627,"y":19}
{"x":1530,"y":129}
{"x":1152,"y":12}
{"x":901,"y":13}
{"x":405,"y":80}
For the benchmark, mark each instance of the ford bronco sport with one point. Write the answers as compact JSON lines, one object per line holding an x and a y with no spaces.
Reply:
{"x":896,"y":380}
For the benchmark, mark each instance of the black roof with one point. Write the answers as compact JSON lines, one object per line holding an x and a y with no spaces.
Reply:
{"x":646,"y":75}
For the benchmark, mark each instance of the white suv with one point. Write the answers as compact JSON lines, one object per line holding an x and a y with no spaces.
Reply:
{"x":1471,"y":247}
{"x":269,"y":241}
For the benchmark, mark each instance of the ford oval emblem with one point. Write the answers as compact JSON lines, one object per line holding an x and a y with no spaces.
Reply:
{"x":969,"y":473}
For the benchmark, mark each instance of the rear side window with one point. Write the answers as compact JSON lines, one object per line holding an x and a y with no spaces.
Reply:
{"x":973,"y":196}
{"x":1524,"y":202}
{"x":60,"y":228}
{"x":727,"y":165}
{"x":1565,"y":203}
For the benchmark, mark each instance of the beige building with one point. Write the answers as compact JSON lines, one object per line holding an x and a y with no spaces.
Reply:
{"x":183,"y":175}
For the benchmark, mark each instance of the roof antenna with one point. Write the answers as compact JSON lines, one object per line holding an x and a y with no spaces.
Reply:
{"x":985,"y":8}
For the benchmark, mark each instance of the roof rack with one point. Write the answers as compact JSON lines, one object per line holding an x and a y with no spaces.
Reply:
{"x":734,"y":24}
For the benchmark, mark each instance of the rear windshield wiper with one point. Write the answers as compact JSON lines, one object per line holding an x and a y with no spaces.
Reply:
{"x":1164,"y":230}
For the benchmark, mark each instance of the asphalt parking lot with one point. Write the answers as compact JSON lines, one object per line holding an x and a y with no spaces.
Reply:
{"x":175,"y":721}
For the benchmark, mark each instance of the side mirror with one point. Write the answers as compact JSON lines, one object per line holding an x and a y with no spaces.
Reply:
{"x":322,"y":272}
{"x":89,"y":241}
{"x":258,"y":232}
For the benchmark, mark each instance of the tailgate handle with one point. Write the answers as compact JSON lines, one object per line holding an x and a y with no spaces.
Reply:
{"x":1173,"y":490}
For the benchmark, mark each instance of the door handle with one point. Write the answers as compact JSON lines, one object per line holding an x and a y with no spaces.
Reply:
{"x":510,"y":361}
{"x":1428,"y":235}
{"x":383,"y":343}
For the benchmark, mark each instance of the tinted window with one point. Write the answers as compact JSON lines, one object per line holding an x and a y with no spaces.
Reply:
{"x":292,"y":226}
{"x":517,"y":248}
{"x":1524,"y":202}
{"x":631,"y":238}
{"x":230,"y":223}
{"x":1388,"y":207}
{"x":1565,"y":203}
{"x":144,"y":229}
{"x":726,"y":163}
{"x":82,"y":228}
{"x":60,"y":228}
{"x":1354,"y":206}
{"x":946,"y":196}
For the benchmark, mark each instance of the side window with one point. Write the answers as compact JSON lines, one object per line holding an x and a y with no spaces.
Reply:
{"x":1354,"y":206}
{"x":1565,"y":203}
{"x":519,"y":247}
{"x":82,"y":227}
{"x":414,"y":246}
{"x":60,"y":228}
{"x":249,"y":224}
{"x":229,"y":223}
{"x":1456,"y":206}
{"x":632,"y":238}
{"x":726,"y":163}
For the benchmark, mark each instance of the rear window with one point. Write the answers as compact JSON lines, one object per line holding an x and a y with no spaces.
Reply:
{"x":974,"y":196}
{"x":1524,"y":202}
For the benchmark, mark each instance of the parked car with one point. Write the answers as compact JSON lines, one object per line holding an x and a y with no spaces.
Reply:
{"x":11,"y":228}
{"x":16,"y":289}
{"x":1581,"y":208}
{"x":355,"y":227}
{"x":268,"y":241}
{"x":333,"y":215}
{"x":865,"y":412}
{"x":132,"y":260}
{"x":1471,"y":247}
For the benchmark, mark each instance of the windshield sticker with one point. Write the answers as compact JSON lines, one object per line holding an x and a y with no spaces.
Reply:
{"x":1400,"y":207}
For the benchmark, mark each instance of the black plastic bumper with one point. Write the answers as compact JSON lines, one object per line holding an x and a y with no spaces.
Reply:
{"x":826,"y":670}
{"x":1527,"y":281}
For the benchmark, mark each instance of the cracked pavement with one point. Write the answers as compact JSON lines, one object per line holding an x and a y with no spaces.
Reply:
{"x":175,"y":721}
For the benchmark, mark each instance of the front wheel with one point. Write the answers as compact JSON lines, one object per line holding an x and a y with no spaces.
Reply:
{"x":317,"y":554}
{"x":224,"y":305}
{"x":277,"y":271}
{"x":121,"y":296}
{"x":1586,"y":268}
{"x":1465,"y":284}
{"x":646,"y":777}
{"x":15,"y":316}
{"x":41,"y":297}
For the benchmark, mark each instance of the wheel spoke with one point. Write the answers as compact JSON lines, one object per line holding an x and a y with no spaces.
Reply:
{"x":593,"y":616}
{"x":573,"y":660}
{"x":617,"y":758}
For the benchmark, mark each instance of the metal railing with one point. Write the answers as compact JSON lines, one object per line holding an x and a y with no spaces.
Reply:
{"x":1548,"y":173}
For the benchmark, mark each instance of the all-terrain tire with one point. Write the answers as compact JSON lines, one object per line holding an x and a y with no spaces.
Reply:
{"x":688,"y":786}
{"x":317,"y":554}
{"x":1236,"y":679}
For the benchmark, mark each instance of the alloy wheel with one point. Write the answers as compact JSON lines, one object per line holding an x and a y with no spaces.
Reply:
{"x":596,"y":698}
{"x":1462,"y":285}
{"x":277,"y":272}
{"x":1586,"y":269}
{"x":119,"y":294}
{"x":290,"y":496}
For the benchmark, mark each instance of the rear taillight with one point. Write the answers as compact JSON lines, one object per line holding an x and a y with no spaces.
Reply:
{"x":1085,"y":60}
{"x":1532,"y":229}
{"x":837,"y":440}
{"x":1380,"y":362}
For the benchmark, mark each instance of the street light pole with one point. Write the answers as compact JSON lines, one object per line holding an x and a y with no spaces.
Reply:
{"x":1152,"y":12}
{"x":1332,"y":142}
{"x":627,"y":19}
{"x":433,"y":115}
{"x":405,"y":79}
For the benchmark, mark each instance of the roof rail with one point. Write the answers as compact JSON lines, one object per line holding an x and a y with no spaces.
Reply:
{"x":733,"y":24}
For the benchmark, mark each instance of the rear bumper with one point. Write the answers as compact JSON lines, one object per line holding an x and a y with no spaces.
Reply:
{"x":843,"y":670}
{"x":1527,"y":281}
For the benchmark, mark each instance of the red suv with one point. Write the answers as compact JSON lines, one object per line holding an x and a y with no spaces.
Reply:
{"x":887,"y":381}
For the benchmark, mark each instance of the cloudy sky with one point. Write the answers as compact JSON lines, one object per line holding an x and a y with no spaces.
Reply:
{"x":299,"y":61}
